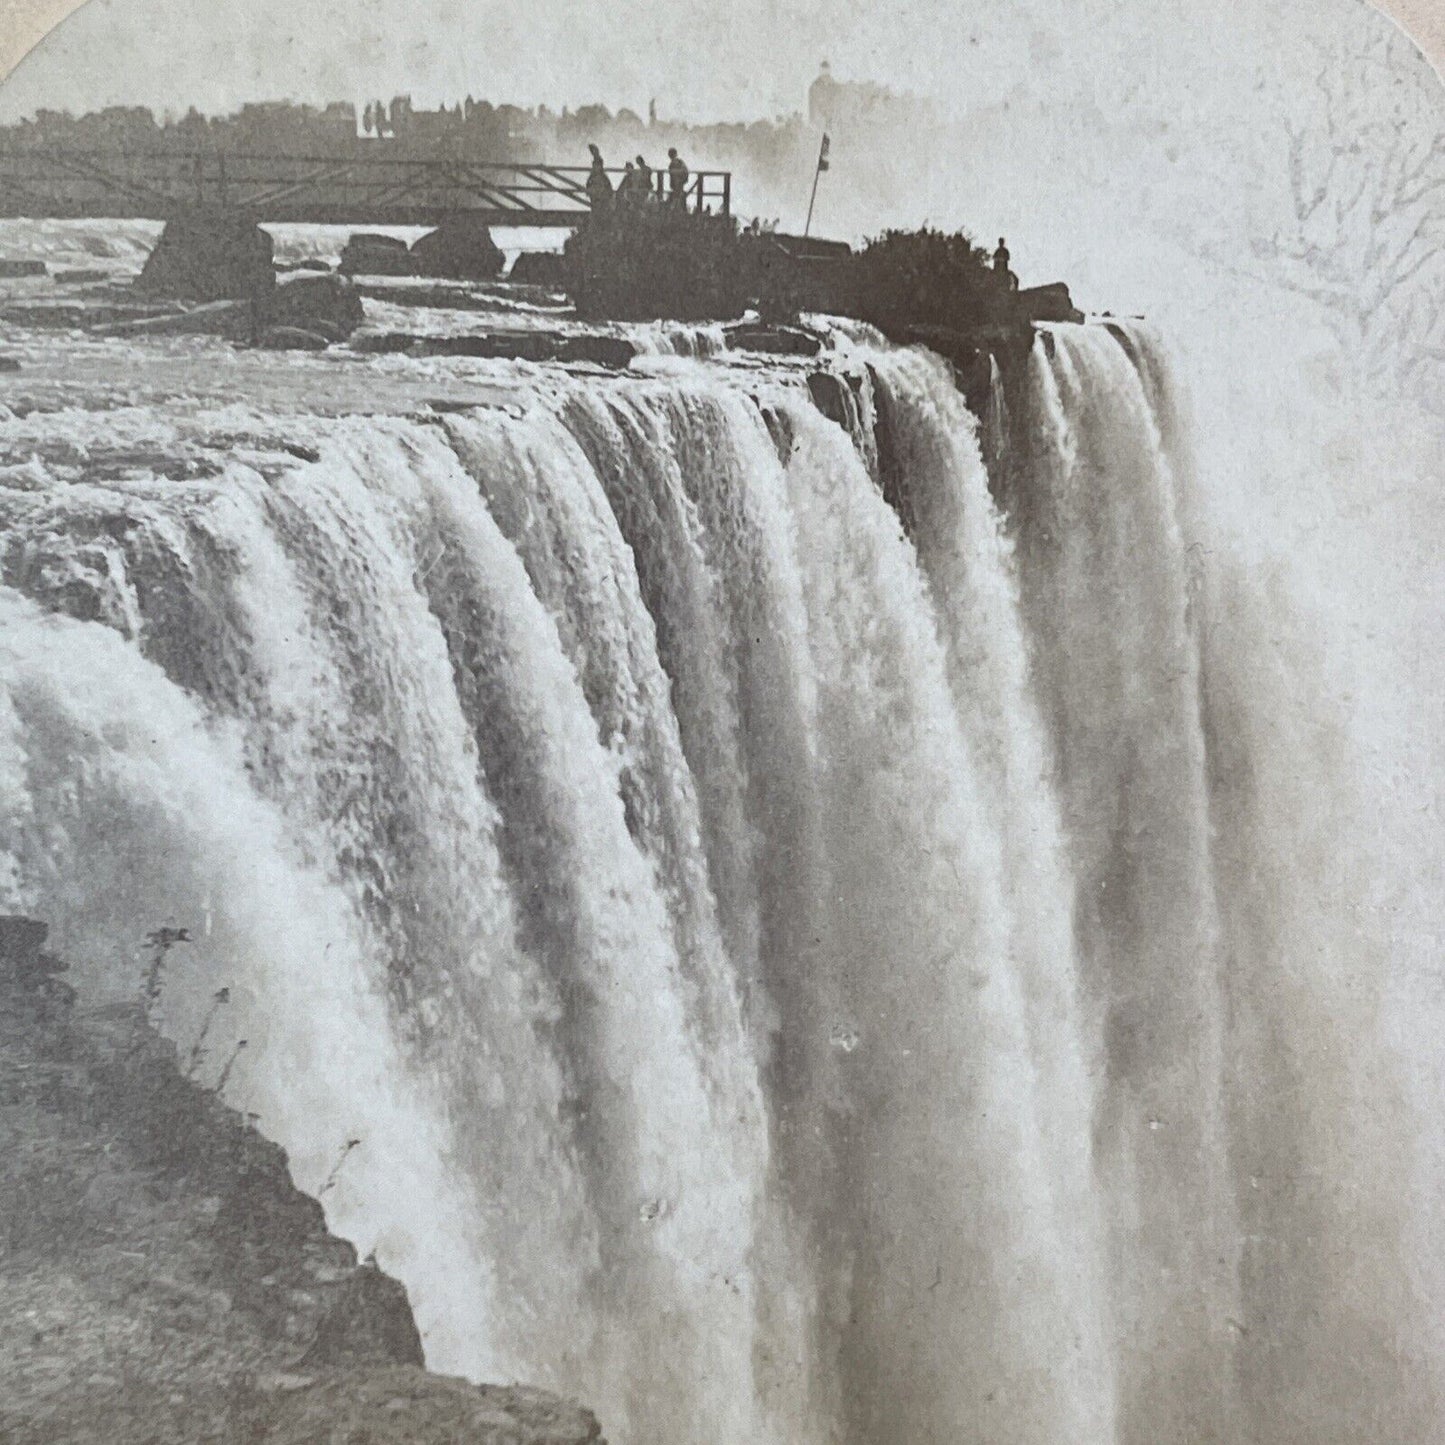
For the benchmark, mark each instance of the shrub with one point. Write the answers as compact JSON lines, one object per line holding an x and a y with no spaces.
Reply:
{"x":787,"y":275}
{"x":653,"y":262}
{"x":913,"y":278}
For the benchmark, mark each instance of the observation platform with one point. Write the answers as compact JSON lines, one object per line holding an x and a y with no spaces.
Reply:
{"x":356,"y":189}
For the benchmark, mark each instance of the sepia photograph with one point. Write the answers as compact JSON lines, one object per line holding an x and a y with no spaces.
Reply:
{"x":721,"y":724}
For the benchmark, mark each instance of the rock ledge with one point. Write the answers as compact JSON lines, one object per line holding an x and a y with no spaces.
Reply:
{"x":163,"y":1282}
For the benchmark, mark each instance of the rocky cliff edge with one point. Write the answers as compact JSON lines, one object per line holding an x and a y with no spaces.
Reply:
{"x":163,"y":1282}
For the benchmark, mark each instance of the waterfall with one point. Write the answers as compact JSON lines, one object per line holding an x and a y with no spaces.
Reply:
{"x":679,"y":338}
{"x":787,"y":934}
{"x":1105,"y":586}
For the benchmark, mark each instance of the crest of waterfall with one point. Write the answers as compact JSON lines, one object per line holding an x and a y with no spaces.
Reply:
{"x":680,"y":338}
{"x":800,"y":947}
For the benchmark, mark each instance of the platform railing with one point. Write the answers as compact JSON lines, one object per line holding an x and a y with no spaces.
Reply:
{"x":352,"y":187}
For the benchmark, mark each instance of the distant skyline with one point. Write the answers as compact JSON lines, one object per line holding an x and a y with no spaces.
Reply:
{"x":750,"y":59}
{"x":1081,"y":119}
{"x":26,"y":23}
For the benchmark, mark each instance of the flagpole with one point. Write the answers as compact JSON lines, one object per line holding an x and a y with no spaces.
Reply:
{"x":808,"y":225}
{"x":817,"y":171}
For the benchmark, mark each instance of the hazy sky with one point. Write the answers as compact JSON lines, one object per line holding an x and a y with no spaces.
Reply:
{"x":1121,"y":111}
{"x":698,"y":58}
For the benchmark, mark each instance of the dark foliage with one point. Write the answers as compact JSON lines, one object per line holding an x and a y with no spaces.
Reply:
{"x":653,"y":262}
{"x":903,"y":279}
{"x":649,"y":262}
{"x":786,"y":276}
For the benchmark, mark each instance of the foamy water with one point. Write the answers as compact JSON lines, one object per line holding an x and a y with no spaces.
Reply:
{"x":792,"y":977}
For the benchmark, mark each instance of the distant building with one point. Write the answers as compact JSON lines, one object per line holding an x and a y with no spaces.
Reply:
{"x":823,"y":97}
{"x":283,"y":126}
{"x":842,"y":105}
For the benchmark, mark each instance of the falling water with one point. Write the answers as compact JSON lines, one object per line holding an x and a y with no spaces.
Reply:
{"x":770,"y":916}
{"x":1106,"y":589}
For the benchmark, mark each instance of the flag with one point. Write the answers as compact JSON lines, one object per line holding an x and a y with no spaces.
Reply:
{"x":823,"y":153}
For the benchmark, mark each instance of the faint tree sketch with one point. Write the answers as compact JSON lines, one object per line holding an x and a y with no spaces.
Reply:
{"x":1352,"y":218}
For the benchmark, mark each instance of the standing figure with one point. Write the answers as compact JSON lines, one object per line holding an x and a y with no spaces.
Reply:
{"x":1002,"y":274}
{"x":644,"y":178}
{"x":677,"y":180}
{"x":599,"y":187}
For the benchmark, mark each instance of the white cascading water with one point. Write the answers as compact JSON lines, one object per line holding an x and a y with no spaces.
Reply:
{"x":1105,"y":581}
{"x":789,"y":973}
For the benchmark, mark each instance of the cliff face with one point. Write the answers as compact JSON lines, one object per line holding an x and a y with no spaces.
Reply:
{"x":161,"y":1278}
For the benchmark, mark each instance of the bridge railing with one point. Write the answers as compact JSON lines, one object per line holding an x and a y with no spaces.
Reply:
{"x":354,"y":187}
{"x":703,"y":192}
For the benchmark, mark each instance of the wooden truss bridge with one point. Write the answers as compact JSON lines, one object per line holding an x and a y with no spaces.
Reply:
{"x":357,"y":189}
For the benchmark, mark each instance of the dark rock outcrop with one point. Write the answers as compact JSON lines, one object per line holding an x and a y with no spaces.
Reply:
{"x":597,"y":348}
{"x":71,"y":314}
{"x":26,"y":970}
{"x":460,"y":249}
{"x":370,"y":254}
{"x":1049,"y":303}
{"x":291,"y":338}
{"x":325,"y":304}
{"x":162,"y":1280}
{"x":306,"y":311}
{"x":774,"y":340}
{"x":538,"y":268}
{"x":788,"y":274}
{"x":964,"y":348}
{"x":893,"y":472}
{"x":233,"y":320}
{"x":210,"y":255}
{"x":457,"y":295}
{"x":375,"y":1406}
{"x":829,"y":392}
{"x":610,"y":351}
{"x":388,"y":343}
{"x":21,"y":940}
{"x":364,"y":1323}
{"x":11,"y":270}
{"x":655,"y":263}
{"x":495,"y":345}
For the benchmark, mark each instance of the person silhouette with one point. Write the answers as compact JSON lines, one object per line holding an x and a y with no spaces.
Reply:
{"x":599,"y":186}
{"x":677,"y":179}
{"x":1001,"y":270}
